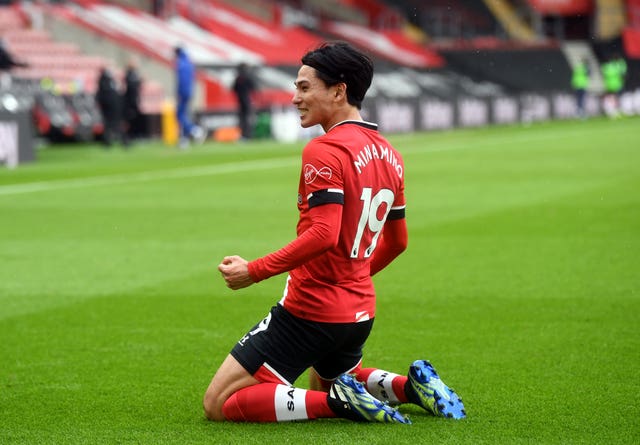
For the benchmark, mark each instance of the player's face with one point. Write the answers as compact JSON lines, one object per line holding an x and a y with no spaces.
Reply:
{"x":313,"y":99}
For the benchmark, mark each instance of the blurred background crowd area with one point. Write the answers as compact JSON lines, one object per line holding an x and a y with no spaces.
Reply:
{"x":439,"y":63}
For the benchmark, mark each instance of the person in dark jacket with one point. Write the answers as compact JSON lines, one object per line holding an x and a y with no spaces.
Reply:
{"x":243,"y":87}
{"x":131,"y":103}
{"x":7,"y":62}
{"x":108,"y":100}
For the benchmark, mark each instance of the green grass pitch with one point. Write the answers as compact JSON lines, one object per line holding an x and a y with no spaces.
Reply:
{"x":521,"y":284}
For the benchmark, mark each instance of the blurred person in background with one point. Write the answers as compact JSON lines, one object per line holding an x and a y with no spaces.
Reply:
{"x":7,"y":62}
{"x":614,"y":72}
{"x":131,"y":102}
{"x":243,"y":87}
{"x":185,"y":84}
{"x":580,"y":83}
{"x":109,"y":102}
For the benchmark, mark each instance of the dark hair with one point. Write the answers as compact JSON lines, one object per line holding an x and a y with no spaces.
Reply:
{"x":337,"y":62}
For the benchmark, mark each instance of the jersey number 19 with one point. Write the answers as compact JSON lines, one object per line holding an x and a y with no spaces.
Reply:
{"x":369,"y":218}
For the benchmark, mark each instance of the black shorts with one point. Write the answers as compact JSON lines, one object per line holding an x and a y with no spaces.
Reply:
{"x":288,"y":345}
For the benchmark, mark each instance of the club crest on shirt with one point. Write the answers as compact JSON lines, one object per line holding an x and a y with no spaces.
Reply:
{"x":311,"y":173}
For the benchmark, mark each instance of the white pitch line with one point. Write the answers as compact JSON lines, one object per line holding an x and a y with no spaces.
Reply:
{"x":187,"y":172}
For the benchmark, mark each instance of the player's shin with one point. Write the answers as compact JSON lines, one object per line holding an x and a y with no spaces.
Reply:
{"x":384,"y":385}
{"x":272,"y":402}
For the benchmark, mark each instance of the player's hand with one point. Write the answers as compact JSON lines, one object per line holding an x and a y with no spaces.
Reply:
{"x":235,"y":272}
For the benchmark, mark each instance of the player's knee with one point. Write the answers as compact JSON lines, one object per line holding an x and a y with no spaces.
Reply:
{"x":212,"y":405}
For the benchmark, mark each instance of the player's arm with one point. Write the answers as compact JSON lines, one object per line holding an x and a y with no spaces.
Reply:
{"x":393,"y":241}
{"x":325,"y":214}
{"x":320,"y":236}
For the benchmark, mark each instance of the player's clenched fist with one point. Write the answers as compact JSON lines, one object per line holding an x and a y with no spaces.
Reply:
{"x":235,"y":272}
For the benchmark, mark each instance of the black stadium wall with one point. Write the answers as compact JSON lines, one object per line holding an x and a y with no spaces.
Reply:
{"x":532,"y":69}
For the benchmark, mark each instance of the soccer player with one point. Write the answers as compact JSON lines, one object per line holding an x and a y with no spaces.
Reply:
{"x":351,"y":225}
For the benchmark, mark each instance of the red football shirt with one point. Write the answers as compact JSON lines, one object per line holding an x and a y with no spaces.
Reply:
{"x":359,"y":177}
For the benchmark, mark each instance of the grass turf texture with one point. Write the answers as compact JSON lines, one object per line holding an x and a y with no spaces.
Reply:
{"x":521,"y":285}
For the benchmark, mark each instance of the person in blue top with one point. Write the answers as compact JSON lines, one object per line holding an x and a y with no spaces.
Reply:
{"x":185,"y":80}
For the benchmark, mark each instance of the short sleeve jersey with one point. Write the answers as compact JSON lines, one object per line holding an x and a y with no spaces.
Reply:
{"x":355,"y":166}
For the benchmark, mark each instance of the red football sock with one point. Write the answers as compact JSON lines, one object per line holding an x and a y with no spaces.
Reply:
{"x":384,"y":385}
{"x":272,"y":402}
{"x":317,"y":405}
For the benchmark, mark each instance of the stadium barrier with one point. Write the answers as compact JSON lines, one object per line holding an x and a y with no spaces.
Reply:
{"x":16,"y":138}
{"x":406,"y":115}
